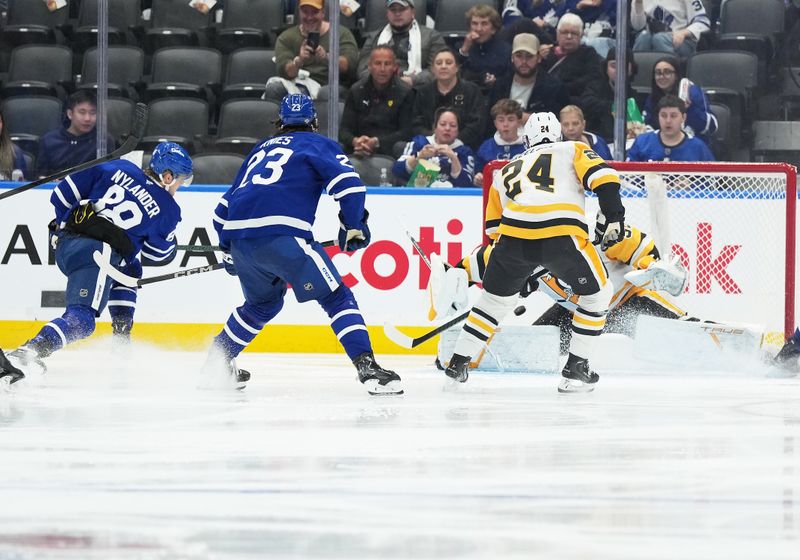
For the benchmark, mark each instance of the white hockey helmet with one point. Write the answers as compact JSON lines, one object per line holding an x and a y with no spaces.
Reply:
{"x":541,"y":128}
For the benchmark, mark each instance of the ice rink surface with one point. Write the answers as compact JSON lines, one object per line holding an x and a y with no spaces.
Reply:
{"x":109,"y":460}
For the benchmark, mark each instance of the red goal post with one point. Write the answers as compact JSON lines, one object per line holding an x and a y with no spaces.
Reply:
{"x":733,"y":225}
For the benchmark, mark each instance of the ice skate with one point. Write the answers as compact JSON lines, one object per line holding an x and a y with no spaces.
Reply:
{"x":787,"y":359}
{"x":28,"y":358}
{"x":664,"y":275}
{"x":377,"y":380}
{"x":8,"y":373}
{"x":219,"y":372}
{"x":458,"y":368}
{"x":577,"y":377}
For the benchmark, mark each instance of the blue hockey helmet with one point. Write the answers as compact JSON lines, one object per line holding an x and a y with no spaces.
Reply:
{"x":297,"y":109}
{"x":169,"y":156}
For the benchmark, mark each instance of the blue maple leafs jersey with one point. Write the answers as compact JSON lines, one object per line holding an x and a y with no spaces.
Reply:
{"x":278,"y":188}
{"x":123,"y":194}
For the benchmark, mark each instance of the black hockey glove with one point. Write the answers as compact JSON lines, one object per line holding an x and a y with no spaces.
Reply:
{"x":52,"y":227}
{"x":353,"y":238}
{"x":84,"y":221}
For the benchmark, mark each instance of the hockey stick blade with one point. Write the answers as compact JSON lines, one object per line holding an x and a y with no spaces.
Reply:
{"x":137,"y":131}
{"x":393,"y":334}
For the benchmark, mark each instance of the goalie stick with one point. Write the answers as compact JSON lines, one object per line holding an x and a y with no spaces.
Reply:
{"x":132,"y":282}
{"x":401,"y":339}
{"x":136,"y":133}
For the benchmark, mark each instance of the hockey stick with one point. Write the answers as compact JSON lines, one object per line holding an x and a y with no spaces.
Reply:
{"x":136,"y":133}
{"x":393,"y":334}
{"x":132,"y":282}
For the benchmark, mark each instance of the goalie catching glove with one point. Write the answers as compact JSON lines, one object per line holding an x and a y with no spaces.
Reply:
{"x":355,"y":237}
{"x":667,"y":275}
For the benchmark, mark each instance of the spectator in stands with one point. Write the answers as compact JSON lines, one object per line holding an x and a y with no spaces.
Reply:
{"x":483,"y":55}
{"x":669,"y":142}
{"x":378,"y":108}
{"x":529,"y":85}
{"x":11,"y":157}
{"x":454,"y":159}
{"x":700,"y":121}
{"x":574,"y":64}
{"x":573,"y":127}
{"x":506,"y":142}
{"x":671,"y":26}
{"x":303,"y":66}
{"x":448,"y":90}
{"x":597,"y":100}
{"x":63,"y":148}
{"x":537,"y":17}
{"x":600,"y":20}
{"x":413,"y":44}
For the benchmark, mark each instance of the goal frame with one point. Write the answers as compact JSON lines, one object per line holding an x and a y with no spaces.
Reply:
{"x":715,"y":168}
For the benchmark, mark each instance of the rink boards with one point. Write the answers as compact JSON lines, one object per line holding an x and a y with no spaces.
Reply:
{"x":388,"y":278}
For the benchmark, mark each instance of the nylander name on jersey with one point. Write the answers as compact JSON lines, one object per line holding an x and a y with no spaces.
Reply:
{"x":278,"y":188}
{"x":123,"y":194}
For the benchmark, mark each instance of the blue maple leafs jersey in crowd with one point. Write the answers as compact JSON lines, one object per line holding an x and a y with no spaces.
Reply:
{"x":648,"y":147}
{"x":123,"y":194}
{"x":465,"y":157}
{"x":278,"y":188}
{"x":496,"y":148}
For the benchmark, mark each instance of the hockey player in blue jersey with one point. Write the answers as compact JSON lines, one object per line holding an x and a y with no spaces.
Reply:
{"x":106,"y":216}
{"x":264,"y":224}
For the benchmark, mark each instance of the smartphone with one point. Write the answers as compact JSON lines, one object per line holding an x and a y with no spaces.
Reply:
{"x":313,"y":39}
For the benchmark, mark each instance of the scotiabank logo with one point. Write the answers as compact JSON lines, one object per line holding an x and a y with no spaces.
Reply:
{"x":402,"y":257}
{"x":710,"y":266}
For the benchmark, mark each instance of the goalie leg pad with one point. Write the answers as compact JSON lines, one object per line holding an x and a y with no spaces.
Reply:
{"x":704,"y":345}
{"x":482,"y":321}
{"x":589,"y":319}
{"x":447,"y":289}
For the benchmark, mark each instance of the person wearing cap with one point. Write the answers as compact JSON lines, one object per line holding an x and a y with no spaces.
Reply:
{"x":414,"y":45}
{"x":483,"y":55}
{"x":301,"y":66}
{"x":574,"y":64}
{"x":529,"y":85}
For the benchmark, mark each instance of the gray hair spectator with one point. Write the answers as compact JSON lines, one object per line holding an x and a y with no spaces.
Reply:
{"x":575,"y":64}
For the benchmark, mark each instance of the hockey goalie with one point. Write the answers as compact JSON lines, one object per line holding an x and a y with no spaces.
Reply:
{"x":643,"y":283}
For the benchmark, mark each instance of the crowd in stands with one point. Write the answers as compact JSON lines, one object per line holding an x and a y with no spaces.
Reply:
{"x":439,"y":100}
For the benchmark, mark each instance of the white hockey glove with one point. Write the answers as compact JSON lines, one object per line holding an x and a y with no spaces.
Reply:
{"x":447,"y":289}
{"x":615,"y":232}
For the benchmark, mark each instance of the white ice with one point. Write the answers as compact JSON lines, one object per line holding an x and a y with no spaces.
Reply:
{"x":102,"y":460}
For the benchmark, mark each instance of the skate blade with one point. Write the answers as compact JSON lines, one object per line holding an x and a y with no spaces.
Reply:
{"x":5,"y":384}
{"x":574,"y":386}
{"x":391,"y":388}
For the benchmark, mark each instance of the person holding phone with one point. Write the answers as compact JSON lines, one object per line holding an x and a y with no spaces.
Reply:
{"x":301,"y":54}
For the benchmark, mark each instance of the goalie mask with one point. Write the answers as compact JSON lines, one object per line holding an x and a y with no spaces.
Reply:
{"x":541,"y":128}
{"x":169,"y":156}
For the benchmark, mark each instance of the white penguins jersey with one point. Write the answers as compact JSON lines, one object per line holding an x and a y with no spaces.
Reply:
{"x":540,"y":193}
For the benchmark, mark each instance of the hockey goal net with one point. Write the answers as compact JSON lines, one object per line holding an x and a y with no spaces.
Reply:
{"x":731,"y":224}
